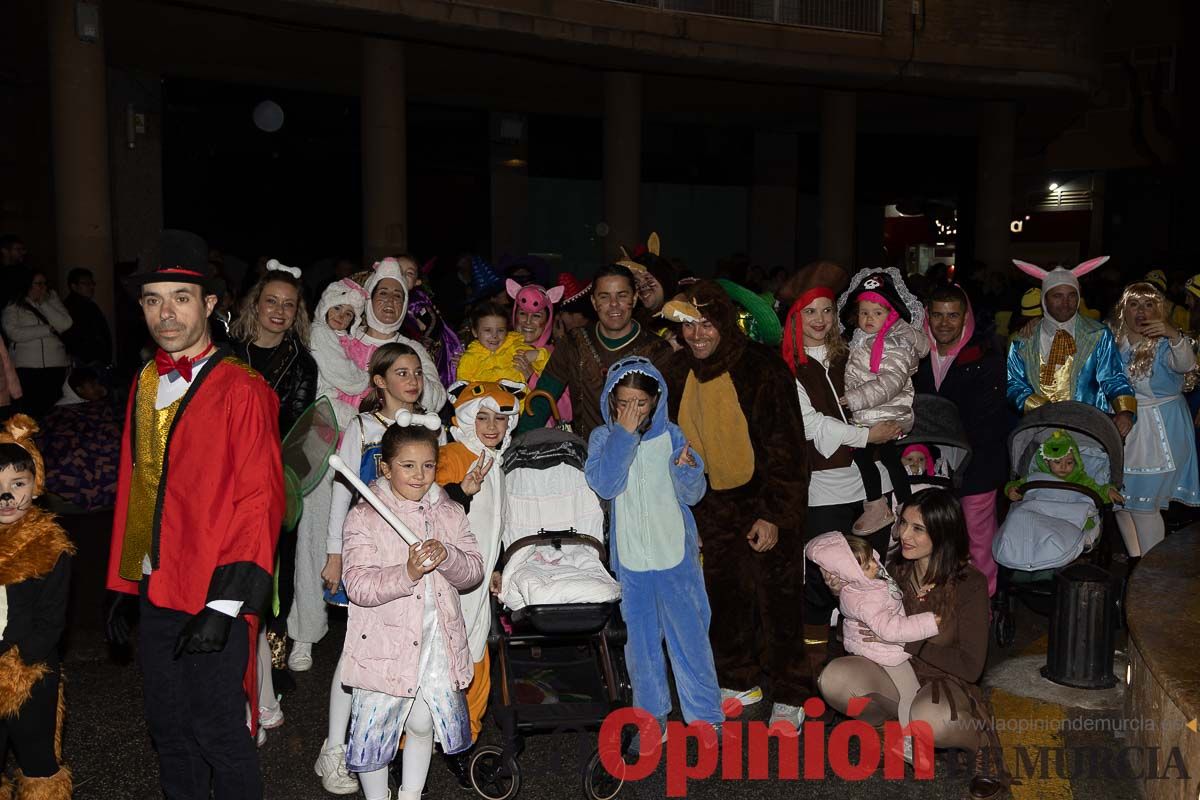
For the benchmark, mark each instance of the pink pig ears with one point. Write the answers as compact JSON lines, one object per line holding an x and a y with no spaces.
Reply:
{"x":556,"y":293}
{"x":512,"y":287}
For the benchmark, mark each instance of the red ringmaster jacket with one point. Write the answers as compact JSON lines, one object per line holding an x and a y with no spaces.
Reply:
{"x":221,"y":496}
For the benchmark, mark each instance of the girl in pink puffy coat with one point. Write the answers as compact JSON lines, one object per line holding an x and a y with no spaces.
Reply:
{"x":876,"y":625}
{"x":406,"y":656}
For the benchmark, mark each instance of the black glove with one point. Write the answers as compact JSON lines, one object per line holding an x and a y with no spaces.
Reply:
{"x":119,"y":617}
{"x":206,"y":632}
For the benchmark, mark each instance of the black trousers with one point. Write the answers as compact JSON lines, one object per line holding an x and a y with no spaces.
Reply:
{"x":196,"y":711}
{"x":31,"y":732}
{"x":889,"y":456}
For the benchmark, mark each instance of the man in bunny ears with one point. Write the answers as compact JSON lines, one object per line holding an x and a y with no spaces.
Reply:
{"x":199,"y":505}
{"x":1068,"y":356}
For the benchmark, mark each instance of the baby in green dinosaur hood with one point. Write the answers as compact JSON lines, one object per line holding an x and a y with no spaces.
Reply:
{"x":1059,"y":456}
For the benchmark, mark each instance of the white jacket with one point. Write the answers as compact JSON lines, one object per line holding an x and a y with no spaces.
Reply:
{"x":33,"y":343}
{"x":888,"y":394}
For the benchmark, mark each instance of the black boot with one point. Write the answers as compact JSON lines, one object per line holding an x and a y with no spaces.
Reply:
{"x":459,"y":765}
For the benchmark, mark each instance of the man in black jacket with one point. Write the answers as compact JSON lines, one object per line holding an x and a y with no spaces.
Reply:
{"x":88,"y":340}
{"x":966,"y":370}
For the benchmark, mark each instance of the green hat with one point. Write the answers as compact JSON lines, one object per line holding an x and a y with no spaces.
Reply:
{"x":756,"y":317}
{"x":1060,"y":445}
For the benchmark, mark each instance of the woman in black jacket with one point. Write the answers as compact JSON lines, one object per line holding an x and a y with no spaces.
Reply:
{"x":271,"y":335}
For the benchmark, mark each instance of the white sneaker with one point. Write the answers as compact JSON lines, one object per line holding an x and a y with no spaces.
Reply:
{"x":331,"y":766}
{"x":782,"y":712}
{"x":269,"y":718}
{"x":300,"y":659}
{"x":261,"y":737}
{"x":747,"y":698}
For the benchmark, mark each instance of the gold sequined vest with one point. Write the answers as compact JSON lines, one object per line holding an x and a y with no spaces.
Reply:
{"x":151,"y":427}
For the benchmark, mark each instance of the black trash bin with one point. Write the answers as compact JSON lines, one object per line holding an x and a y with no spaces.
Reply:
{"x":1083,"y":628}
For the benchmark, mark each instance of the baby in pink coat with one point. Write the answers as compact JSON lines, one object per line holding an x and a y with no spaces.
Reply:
{"x":869,"y":596}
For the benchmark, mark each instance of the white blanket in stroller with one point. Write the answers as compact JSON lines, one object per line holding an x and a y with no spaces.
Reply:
{"x":1046,"y":529}
{"x":544,"y":575}
{"x":554,"y":499}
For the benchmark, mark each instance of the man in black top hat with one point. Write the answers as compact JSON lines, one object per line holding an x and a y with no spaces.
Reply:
{"x":199,"y":504}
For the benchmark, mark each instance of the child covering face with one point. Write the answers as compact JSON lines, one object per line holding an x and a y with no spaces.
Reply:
{"x":642,"y":463}
{"x":493,"y":354}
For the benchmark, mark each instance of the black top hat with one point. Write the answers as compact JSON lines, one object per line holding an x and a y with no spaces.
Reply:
{"x":175,"y":257}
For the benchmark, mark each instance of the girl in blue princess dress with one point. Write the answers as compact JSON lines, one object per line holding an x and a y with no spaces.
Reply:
{"x":1160,"y":452}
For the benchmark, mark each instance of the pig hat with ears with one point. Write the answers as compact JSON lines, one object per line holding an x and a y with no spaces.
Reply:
{"x":1059,"y":276}
{"x":532,"y":299}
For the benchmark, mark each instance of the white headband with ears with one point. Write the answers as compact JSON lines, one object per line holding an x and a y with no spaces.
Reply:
{"x":405,"y":418}
{"x":275,"y":266}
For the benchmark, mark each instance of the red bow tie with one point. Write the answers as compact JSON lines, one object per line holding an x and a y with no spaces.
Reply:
{"x":183,"y":365}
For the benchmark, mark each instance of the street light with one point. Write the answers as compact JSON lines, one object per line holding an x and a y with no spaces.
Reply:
{"x":1054,"y":187}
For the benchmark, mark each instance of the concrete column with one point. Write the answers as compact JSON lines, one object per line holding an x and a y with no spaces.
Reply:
{"x":79,"y":142}
{"x":839,"y":123}
{"x":384,"y":150}
{"x":622,"y":160}
{"x":993,"y":203}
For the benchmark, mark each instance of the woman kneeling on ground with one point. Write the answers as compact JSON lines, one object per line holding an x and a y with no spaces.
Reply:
{"x":933,"y":570}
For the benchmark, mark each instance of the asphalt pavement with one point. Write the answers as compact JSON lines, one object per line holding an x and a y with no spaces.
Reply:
{"x":108,"y":749}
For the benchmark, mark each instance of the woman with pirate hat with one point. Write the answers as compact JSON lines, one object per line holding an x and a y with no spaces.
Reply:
{"x":35,"y":557}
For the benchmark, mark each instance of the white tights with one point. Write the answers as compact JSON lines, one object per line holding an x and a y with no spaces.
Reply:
{"x":418,"y":750}
{"x":340,"y":700}
{"x":266,"y":683}
{"x":1141,"y":530}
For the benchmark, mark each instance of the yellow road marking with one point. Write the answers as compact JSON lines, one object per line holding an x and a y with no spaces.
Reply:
{"x":1011,"y":709}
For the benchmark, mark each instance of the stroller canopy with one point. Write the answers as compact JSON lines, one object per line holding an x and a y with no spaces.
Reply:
{"x":544,"y":448}
{"x":936,"y":422}
{"x":1092,"y":429}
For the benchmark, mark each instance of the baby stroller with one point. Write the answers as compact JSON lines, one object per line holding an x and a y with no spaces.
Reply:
{"x":1028,"y":555}
{"x":937,"y":426}
{"x":557,"y":638}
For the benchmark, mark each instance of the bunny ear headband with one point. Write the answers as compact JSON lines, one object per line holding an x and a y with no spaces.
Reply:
{"x":405,"y":418}
{"x":1059,"y":276}
{"x":275,"y":266}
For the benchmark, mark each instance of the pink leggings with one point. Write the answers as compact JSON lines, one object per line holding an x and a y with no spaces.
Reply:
{"x":980,"y":513}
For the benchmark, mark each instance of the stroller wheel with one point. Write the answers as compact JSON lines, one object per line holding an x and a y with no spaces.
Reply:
{"x":598,"y":782}
{"x":1004,"y":624}
{"x":494,"y":776}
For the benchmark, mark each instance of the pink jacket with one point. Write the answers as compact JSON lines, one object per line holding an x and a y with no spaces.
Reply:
{"x":10,"y":384}
{"x":383,"y":637}
{"x":870,"y":601}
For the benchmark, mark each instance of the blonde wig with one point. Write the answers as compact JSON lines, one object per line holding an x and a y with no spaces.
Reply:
{"x":1141,"y":364}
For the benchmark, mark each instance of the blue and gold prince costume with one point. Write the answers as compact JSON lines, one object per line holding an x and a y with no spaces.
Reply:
{"x":1072,"y":360}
